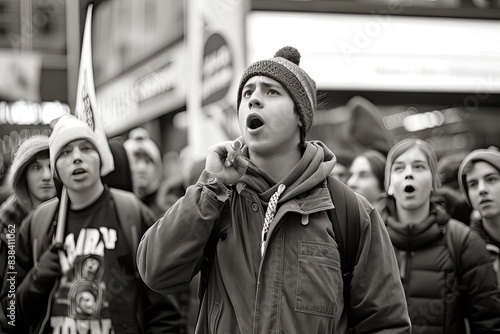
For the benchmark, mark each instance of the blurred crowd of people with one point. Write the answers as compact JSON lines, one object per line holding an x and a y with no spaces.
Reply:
{"x":442,"y":217}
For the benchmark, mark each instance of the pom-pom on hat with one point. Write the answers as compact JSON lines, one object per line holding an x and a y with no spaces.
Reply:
{"x":67,"y":129}
{"x":284,"y":68}
{"x":490,"y":155}
{"x":26,"y":151}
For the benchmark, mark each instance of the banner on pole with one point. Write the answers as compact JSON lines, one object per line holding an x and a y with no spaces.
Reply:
{"x":86,"y":107}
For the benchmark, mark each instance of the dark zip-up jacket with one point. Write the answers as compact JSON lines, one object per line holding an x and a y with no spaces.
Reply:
{"x":444,"y":283}
{"x":492,"y":245}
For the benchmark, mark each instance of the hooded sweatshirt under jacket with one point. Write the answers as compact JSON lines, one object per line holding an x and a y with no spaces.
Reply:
{"x":296,"y":285}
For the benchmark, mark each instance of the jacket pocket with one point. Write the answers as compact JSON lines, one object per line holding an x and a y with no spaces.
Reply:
{"x":319,"y":279}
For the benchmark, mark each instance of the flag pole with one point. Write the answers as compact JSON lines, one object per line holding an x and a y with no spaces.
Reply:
{"x":86,"y":110}
{"x":61,"y":219}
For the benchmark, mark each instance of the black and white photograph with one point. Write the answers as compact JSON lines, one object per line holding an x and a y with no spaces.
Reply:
{"x":249,"y":166}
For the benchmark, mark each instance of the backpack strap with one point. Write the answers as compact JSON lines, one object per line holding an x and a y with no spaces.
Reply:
{"x":218,"y":233}
{"x":456,"y":234}
{"x":41,"y":219}
{"x":346,"y":226}
{"x":129,"y":214}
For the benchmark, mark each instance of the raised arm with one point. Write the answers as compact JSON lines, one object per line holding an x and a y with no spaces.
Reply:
{"x":170,"y":250}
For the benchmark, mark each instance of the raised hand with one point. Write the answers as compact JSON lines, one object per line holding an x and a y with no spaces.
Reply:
{"x":226,"y":162}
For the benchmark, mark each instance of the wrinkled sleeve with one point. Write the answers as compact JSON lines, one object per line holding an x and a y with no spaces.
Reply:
{"x":169,"y":251}
{"x":378,"y":302}
{"x":29,"y":299}
{"x":479,"y":286}
{"x":162,"y":313}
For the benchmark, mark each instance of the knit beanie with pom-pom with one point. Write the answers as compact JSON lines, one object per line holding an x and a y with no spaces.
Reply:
{"x":284,"y":68}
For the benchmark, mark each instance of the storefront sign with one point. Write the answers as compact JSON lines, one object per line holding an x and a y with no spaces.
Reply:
{"x":155,"y":88}
{"x":217,"y":71}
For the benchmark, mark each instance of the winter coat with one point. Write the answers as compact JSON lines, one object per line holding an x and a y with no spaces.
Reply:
{"x":157,"y":314}
{"x":491,"y":245}
{"x":11,"y":216}
{"x":296,"y":285}
{"x":439,"y":295}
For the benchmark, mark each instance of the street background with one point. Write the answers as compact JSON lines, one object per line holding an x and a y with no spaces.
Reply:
{"x":428,"y":69}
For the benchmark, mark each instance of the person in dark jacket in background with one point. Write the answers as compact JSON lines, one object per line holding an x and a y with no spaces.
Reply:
{"x":121,"y":176}
{"x":479,"y":181}
{"x":276,"y":267}
{"x":90,"y":282}
{"x":32,"y":184}
{"x":448,"y":193}
{"x":444,"y":266}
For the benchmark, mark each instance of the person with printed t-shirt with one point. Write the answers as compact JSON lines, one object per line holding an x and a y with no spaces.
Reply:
{"x":90,"y":283}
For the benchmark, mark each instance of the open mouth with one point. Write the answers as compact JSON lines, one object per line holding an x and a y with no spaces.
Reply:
{"x":79,"y":171}
{"x":254,"y":121}
{"x":409,"y":189}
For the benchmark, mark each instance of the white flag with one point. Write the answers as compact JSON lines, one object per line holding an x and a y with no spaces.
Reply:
{"x":86,"y":104}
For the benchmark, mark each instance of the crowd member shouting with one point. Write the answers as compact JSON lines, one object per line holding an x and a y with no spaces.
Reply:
{"x":444,"y":266}
{"x":276,"y":267}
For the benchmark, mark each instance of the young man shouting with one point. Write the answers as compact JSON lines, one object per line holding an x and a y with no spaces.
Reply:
{"x":277,"y":265}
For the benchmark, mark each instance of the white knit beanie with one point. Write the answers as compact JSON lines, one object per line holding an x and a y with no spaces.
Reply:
{"x":26,"y":151}
{"x":67,"y":129}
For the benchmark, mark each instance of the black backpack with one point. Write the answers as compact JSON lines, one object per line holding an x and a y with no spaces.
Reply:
{"x":346,"y":226}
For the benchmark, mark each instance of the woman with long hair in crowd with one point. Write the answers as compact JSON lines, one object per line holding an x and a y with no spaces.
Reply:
{"x":446,"y":271}
{"x":367,"y":175}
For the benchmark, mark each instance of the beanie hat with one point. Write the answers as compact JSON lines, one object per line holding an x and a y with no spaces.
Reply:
{"x":490,"y":156}
{"x":67,"y":129}
{"x":284,"y":68}
{"x":140,"y":142}
{"x":26,"y":151}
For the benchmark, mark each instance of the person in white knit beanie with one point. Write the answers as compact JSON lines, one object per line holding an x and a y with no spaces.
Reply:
{"x":92,"y":228}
